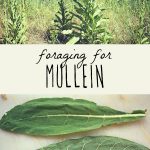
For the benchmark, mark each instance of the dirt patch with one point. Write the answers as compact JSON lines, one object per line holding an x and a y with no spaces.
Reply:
{"x":35,"y":36}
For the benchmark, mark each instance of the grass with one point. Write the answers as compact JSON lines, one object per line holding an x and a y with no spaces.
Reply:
{"x":40,"y":18}
{"x":124,"y":18}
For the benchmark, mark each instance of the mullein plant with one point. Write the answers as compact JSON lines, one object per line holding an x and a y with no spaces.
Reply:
{"x":91,"y":24}
{"x":62,"y":31}
{"x":14,"y":22}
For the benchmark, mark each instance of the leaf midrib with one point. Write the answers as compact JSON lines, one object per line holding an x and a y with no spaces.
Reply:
{"x":88,"y":116}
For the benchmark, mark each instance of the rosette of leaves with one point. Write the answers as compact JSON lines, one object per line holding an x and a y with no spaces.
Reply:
{"x":14,"y":22}
{"x":91,"y":24}
{"x":62,"y":31}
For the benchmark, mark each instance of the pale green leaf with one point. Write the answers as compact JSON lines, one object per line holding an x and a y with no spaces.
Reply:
{"x":144,"y":40}
{"x":73,"y":40}
{"x":66,"y":32}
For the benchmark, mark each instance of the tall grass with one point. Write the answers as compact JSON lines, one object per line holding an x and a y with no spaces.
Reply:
{"x":41,"y":16}
{"x":127,"y":17}
{"x":129,"y":20}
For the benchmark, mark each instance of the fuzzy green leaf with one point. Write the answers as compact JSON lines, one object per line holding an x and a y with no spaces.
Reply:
{"x":58,"y":116}
{"x":96,"y":143}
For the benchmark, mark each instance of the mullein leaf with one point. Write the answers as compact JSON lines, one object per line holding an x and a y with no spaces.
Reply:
{"x":59,"y":116}
{"x":96,"y":143}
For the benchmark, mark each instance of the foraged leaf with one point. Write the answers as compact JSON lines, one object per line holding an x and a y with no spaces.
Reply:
{"x":96,"y":143}
{"x":59,"y":116}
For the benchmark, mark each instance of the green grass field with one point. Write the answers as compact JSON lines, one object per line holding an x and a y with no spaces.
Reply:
{"x":128,"y":19}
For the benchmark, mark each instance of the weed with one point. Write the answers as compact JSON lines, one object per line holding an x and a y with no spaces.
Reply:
{"x":62,"y":31}
{"x":91,"y":27}
{"x":14,"y":22}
